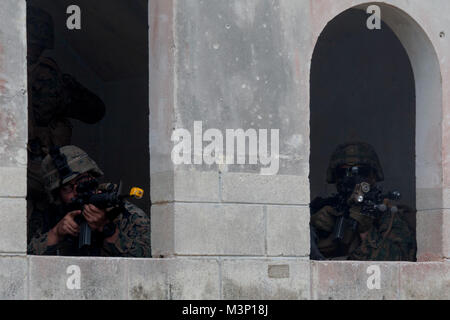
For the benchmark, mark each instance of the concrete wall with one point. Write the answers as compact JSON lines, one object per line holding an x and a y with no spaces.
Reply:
{"x":233,"y":233}
{"x":45,"y":278}
{"x":235,"y":65}
{"x":13,"y":128}
{"x":246,"y":65}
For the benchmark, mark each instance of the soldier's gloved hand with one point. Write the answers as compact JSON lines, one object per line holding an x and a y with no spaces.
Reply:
{"x":324,"y":219}
{"x":364,"y":222}
{"x":95,"y":217}
{"x":67,"y":226}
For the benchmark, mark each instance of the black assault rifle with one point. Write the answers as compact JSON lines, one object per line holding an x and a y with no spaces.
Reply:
{"x":369,"y":198}
{"x":109,"y":198}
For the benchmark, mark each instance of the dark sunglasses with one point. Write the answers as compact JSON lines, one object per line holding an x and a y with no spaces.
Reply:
{"x":362,"y":171}
{"x":69,"y":187}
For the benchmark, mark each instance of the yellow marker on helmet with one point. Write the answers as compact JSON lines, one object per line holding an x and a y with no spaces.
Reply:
{"x":137,"y":193}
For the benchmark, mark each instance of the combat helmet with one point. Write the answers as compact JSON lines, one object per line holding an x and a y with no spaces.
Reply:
{"x":40,"y":29}
{"x":354,"y":153}
{"x":64,"y":164}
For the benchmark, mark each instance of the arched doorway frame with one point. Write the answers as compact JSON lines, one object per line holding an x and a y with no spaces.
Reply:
{"x":429,"y":135}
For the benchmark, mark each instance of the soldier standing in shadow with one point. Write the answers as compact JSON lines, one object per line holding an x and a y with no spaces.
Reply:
{"x":53,"y":98}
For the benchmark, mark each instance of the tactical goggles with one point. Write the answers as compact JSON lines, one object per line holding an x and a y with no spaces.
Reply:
{"x":70,"y":187}
{"x":362,"y":171}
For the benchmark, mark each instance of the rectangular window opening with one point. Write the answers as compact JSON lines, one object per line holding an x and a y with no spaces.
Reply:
{"x":88,"y":87}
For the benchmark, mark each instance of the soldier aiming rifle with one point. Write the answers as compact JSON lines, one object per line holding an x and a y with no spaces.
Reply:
{"x":85,"y":218}
{"x":360,"y":222}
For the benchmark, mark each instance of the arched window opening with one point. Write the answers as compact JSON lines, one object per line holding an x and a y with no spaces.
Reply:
{"x":363,"y":90}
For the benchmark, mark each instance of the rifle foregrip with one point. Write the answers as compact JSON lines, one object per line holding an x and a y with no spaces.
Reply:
{"x":339,"y":228}
{"x":85,"y":235}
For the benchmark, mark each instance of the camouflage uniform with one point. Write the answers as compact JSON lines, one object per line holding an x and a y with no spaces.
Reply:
{"x":133,"y":224}
{"x":53,"y":97}
{"x":389,"y":237}
{"x":133,"y":240}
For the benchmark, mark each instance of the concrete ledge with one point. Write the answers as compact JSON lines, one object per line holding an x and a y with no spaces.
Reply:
{"x":265,"y":279}
{"x":13,"y":225}
{"x":255,"y":188}
{"x":13,"y":278}
{"x":177,"y":279}
{"x":210,"y":278}
{"x":101,"y":278}
{"x":181,"y":278}
{"x":196,"y":279}
{"x":428,"y":281}
{"x":348,"y":280}
{"x":123,"y":278}
{"x":148,"y":279}
{"x":288,"y":231}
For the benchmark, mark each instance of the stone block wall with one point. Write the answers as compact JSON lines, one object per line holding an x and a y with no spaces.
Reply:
{"x":214,"y":278}
{"x":13,"y":128}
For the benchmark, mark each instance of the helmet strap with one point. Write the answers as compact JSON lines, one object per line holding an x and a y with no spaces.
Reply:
{"x":61,"y":164}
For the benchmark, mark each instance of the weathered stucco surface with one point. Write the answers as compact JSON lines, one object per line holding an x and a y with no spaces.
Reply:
{"x":13,"y":127}
{"x":227,"y":230}
{"x":246,"y":65}
{"x":213,"y":278}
